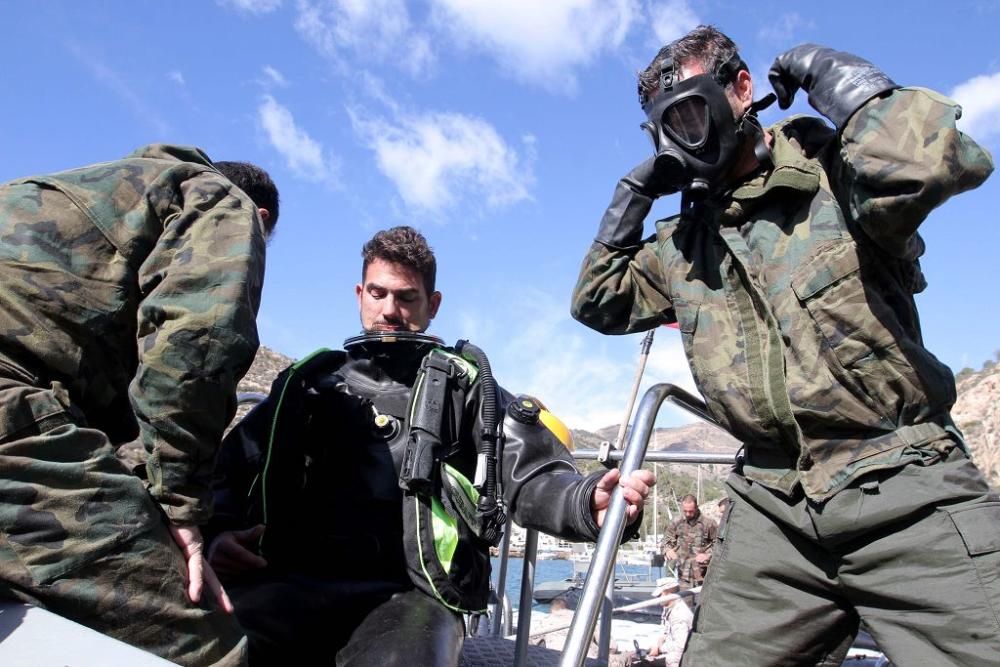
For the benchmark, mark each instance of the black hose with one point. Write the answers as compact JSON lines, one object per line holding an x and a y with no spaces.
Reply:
{"x":488,"y":411}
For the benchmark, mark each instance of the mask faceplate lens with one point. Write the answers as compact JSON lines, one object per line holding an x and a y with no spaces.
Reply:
{"x":687,"y":121}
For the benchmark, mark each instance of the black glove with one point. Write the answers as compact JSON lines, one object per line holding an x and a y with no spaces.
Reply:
{"x":838,"y":83}
{"x":621,"y":226}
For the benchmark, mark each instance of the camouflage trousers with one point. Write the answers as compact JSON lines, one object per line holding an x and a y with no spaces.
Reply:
{"x":690,"y":572}
{"x":913,"y":554}
{"x":81,"y":537}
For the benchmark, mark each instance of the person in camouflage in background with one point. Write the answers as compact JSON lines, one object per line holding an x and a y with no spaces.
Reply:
{"x":128,"y":297}
{"x":791,"y":273}
{"x":688,"y":543}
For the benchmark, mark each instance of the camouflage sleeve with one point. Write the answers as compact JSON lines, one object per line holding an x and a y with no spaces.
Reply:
{"x":670,"y":537}
{"x":713,"y":532}
{"x":197,"y":334}
{"x":621,"y":291}
{"x":901,"y":156}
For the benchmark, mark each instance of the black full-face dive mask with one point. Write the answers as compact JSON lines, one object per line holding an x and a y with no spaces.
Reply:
{"x":695,"y":137}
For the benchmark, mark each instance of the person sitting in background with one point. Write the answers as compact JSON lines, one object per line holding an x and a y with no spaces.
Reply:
{"x":675,"y":621}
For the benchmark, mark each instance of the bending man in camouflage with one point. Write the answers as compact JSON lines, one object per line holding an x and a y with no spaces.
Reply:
{"x":127,"y":313}
{"x":688,"y":543}
{"x":791,"y":273}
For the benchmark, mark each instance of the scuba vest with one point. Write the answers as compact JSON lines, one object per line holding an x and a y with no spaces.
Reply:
{"x":386,"y":472}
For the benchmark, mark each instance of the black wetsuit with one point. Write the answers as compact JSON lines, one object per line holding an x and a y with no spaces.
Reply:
{"x":337,"y":581}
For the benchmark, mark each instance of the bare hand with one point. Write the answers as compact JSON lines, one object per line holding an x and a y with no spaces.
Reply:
{"x":234,"y":552}
{"x":671,"y":554}
{"x":654,"y":650}
{"x":192,"y":545}
{"x":635,"y":489}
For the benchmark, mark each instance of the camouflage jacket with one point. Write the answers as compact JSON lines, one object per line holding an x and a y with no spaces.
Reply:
{"x":794,"y":294}
{"x":135,"y":284}
{"x":688,"y":538}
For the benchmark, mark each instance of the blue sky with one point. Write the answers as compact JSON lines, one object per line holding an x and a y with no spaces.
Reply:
{"x":497,"y":128}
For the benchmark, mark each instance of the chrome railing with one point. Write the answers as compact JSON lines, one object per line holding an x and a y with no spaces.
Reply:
{"x":603,"y":562}
{"x":594,"y":598}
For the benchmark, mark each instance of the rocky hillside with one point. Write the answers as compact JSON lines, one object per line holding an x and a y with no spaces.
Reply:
{"x":266,"y":366}
{"x":977,"y":413}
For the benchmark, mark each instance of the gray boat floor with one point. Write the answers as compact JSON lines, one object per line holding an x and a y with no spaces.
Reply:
{"x":33,"y":637}
{"x":499,"y":652}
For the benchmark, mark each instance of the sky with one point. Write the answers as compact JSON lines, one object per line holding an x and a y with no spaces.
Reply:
{"x":499,"y":129}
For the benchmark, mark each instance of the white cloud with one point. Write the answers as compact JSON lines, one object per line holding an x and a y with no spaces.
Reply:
{"x":438,"y":159}
{"x":176,"y":77}
{"x":548,"y":356}
{"x":784,"y":30}
{"x":379,"y":30}
{"x":671,"y":20}
{"x":667,"y":361}
{"x":538,"y":42}
{"x":980,"y":100}
{"x":303,"y":155}
{"x":251,"y":6}
{"x":274,"y":76}
{"x":582,"y":377}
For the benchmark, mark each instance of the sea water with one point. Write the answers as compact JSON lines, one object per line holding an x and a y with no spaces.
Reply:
{"x":555,"y":570}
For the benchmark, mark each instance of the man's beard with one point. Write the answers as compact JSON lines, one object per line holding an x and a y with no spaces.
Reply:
{"x":382,"y":325}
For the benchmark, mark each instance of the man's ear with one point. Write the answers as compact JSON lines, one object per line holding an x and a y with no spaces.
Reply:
{"x":434,"y":302}
{"x":743,"y":87}
{"x":265,"y":215}
{"x":357,"y":292}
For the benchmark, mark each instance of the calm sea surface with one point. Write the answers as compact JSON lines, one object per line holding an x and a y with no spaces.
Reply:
{"x":552,"y":570}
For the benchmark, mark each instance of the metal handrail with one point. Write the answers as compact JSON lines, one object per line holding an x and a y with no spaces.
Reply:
{"x":660,"y":457}
{"x":250,"y":397}
{"x":603,"y":561}
{"x":499,"y":622}
{"x":524,"y":606}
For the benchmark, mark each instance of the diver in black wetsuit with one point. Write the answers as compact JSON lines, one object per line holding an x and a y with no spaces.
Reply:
{"x":369,"y":555}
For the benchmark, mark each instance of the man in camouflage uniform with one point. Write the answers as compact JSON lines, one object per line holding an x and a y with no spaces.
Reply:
{"x":128,"y":297}
{"x":791,"y":273}
{"x":688,"y":543}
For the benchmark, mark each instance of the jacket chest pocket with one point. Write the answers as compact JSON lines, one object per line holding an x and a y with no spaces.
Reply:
{"x":847,"y":306}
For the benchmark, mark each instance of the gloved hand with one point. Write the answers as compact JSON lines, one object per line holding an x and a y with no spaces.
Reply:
{"x":838,"y":83}
{"x":621,"y":226}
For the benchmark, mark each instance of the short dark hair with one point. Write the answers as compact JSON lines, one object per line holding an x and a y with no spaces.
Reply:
{"x":705,"y":44}
{"x":257,"y":184}
{"x":402,"y":245}
{"x":689,"y":499}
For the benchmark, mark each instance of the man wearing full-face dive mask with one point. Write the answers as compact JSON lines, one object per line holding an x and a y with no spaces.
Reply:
{"x":791,"y":272}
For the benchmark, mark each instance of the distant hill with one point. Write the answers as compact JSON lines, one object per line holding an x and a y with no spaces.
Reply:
{"x":696,"y":437}
{"x":266,"y":366}
{"x":977,"y":413}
